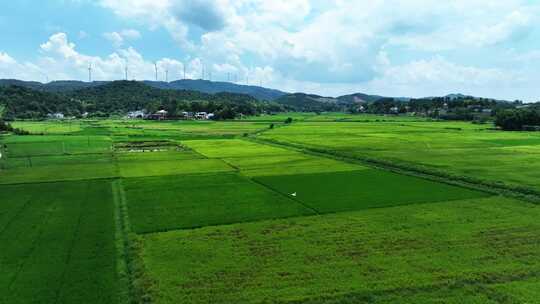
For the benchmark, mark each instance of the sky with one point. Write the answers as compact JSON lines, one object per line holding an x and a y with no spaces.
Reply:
{"x":401,"y":48}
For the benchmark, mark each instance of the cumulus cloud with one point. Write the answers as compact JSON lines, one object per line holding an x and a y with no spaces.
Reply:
{"x":202,"y":13}
{"x":60,"y":60}
{"x":119,"y":38}
{"x":333,"y":47}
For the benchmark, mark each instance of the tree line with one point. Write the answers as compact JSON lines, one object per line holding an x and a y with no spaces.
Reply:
{"x":119,"y":97}
{"x":526,"y":119}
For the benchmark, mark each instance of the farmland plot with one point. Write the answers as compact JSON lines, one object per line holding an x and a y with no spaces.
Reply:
{"x":189,"y":201}
{"x":474,"y":251}
{"x":25,"y":146}
{"x":255,"y":159}
{"x":57,"y":243}
{"x":459,"y":148}
{"x":369,"y":188}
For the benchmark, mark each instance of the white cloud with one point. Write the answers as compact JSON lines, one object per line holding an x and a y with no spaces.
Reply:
{"x":407,"y":47}
{"x":119,"y":38}
{"x":5,"y":59}
{"x":115,"y":38}
{"x":130,"y":34}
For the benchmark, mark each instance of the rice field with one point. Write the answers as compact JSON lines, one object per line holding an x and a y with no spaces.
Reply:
{"x":121,"y":211}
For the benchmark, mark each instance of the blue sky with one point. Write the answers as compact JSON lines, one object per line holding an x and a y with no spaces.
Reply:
{"x":389,"y":47}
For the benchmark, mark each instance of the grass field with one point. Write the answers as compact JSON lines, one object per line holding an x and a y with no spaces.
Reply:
{"x":370,"y":188}
{"x":57,"y":243}
{"x":188,"y":201}
{"x":470,"y":251}
{"x":129,"y":211}
{"x":458,"y":148}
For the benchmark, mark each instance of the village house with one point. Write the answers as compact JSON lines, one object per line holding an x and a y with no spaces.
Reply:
{"x":136,"y":114}
{"x":55,"y":116}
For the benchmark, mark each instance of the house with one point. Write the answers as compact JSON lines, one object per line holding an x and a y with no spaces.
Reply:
{"x":201,"y":115}
{"x":136,"y":114}
{"x":159,"y":115}
{"x":55,"y":116}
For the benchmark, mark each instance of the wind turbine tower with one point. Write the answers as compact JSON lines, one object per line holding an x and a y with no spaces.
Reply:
{"x":184,"y":71}
{"x":155,"y":67}
{"x":90,"y":72}
{"x":167,"y":75}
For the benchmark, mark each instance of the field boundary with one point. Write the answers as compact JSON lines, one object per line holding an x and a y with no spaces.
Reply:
{"x":135,"y":285}
{"x":522,"y":193}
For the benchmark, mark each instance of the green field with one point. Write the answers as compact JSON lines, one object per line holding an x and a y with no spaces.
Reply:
{"x":470,"y":251}
{"x":57,"y":243}
{"x":332,"y":208}
{"x":166,"y":203}
{"x":461,"y":149}
{"x":355,"y":190}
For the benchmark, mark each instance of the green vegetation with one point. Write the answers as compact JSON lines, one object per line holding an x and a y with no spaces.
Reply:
{"x":57,"y":243}
{"x":188,"y":201}
{"x":518,"y":120}
{"x":328,"y":208}
{"x":450,"y":149}
{"x":119,"y":97}
{"x":346,"y":191}
{"x":473,"y":251}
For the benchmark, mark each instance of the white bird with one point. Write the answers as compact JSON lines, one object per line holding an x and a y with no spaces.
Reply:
{"x":293,"y":194}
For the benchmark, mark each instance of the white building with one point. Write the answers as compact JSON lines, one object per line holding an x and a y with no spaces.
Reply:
{"x":135,"y":114}
{"x":55,"y":116}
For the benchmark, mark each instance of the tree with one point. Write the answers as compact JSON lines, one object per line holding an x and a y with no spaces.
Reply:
{"x":517,"y":119}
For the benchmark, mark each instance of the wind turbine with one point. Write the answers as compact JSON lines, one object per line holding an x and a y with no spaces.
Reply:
{"x":90,"y":72}
{"x":155,"y":66}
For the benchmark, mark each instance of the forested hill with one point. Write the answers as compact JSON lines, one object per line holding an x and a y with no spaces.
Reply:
{"x":204,"y":86}
{"x":213,"y":87}
{"x":120,"y":97}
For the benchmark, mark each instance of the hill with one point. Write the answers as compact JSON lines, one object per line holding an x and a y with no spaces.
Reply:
{"x":203,"y":86}
{"x":212,"y":87}
{"x":119,"y":97}
{"x":309,"y":102}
